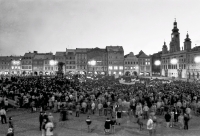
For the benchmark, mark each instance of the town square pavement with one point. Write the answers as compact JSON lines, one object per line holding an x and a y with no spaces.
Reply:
{"x":27,"y":124}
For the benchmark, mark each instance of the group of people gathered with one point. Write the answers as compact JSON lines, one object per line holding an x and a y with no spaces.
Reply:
{"x":174,"y":101}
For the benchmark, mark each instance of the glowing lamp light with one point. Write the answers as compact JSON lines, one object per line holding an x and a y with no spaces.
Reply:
{"x":14,"y":62}
{"x":174,"y":61}
{"x":197,"y":59}
{"x":92,"y":62}
{"x":136,"y":67}
{"x":53,"y":62}
{"x":157,"y":62}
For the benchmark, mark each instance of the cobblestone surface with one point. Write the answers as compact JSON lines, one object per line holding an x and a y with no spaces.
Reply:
{"x":26,"y":124}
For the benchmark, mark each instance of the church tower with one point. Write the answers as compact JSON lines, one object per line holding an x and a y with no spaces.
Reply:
{"x":164,"y":49}
{"x":175,"y":39}
{"x":187,"y":43}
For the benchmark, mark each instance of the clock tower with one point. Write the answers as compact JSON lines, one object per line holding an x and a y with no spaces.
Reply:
{"x":175,"y":39}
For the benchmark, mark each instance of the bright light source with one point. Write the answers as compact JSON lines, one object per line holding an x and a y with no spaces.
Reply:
{"x":197,"y":59}
{"x":136,"y":67}
{"x":53,"y":62}
{"x":157,"y":62}
{"x":92,"y":62}
{"x":174,"y":61}
{"x":14,"y":62}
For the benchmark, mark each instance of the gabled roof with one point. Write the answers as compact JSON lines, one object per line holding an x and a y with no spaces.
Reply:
{"x":142,"y":55}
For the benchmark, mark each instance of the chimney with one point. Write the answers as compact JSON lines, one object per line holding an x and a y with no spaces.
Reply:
{"x":35,"y":52}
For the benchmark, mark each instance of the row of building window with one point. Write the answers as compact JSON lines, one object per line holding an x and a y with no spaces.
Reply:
{"x":181,"y":66}
{"x":4,"y":67}
{"x":50,"y":68}
{"x":130,"y":62}
{"x":15,"y":67}
{"x":144,"y":63}
{"x":70,"y":67}
{"x":130,"y":68}
{"x":26,"y":67}
{"x":115,"y":67}
{"x":70,"y":62}
{"x":143,"y":68}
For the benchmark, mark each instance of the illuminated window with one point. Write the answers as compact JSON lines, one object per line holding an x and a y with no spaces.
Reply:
{"x":114,"y":73}
{"x":115,"y":67}
{"x":12,"y":67}
{"x":110,"y":67}
{"x":121,"y":67}
{"x":120,"y":73}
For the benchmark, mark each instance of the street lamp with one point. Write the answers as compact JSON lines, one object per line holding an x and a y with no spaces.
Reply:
{"x":197,"y":59}
{"x":157,"y":62}
{"x":174,"y":61}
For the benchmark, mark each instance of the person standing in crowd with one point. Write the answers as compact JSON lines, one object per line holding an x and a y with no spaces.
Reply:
{"x":3,"y":116}
{"x":119,"y":117}
{"x":154,"y":118}
{"x":6,"y":104}
{"x":43,"y":127}
{"x":93,"y":107}
{"x":41,"y":117}
{"x":49,"y":128}
{"x":186,"y":120}
{"x":78,"y":110}
{"x":145,"y":111}
{"x":88,"y":122}
{"x":105,"y":108}
{"x":10,"y":125}
{"x":181,"y":121}
{"x":10,"y":132}
{"x":150,"y":125}
{"x":140,"y":122}
{"x":107,"y":126}
{"x":100,"y":108}
{"x":50,"y":118}
{"x":113,"y":122}
{"x":167,"y":119}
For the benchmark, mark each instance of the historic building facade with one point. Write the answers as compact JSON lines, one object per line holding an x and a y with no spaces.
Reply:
{"x":81,"y":60}
{"x":60,"y":57}
{"x":70,"y":60}
{"x":26,"y":63}
{"x":97,"y":61}
{"x":115,"y":60}
{"x":50,"y":64}
{"x":193,"y":67}
{"x":144,"y":62}
{"x":177,"y":62}
{"x":131,"y":66}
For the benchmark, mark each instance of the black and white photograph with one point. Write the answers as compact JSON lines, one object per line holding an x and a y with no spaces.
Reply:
{"x":99,"y":67}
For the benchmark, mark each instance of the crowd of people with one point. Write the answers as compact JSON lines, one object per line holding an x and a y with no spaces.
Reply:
{"x":104,"y":96}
